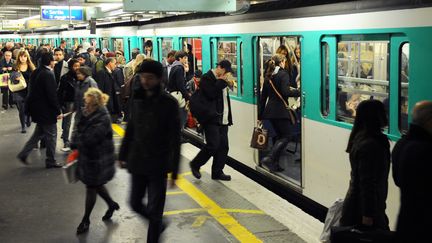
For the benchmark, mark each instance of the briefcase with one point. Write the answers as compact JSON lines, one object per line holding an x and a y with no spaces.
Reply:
{"x":352,"y":234}
{"x":259,"y":138}
{"x":69,"y":172}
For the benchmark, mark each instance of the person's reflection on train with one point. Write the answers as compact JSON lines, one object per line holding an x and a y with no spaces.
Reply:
{"x":273,"y":108}
{"x":411,"y":173}
{"x":151,"y":146}
{"x":369,"y":155}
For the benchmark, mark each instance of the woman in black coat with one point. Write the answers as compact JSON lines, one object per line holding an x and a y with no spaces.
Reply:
{"x":274,"y":109}
{"x":369,"y":154}
{"x":94,"y":140}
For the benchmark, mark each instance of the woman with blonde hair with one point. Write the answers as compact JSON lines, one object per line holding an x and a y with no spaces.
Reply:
{"x":94,"y":141}
{"x":23,"y":68}
{"x":276,"y":89}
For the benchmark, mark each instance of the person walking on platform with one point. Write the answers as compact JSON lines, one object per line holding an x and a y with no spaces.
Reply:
{"x":6,"y":65}
{"x":412,"y":165}
{"x":43,"y":106}
{"x":214,"y":86}
{"x":151,"y":146}
{"x":96,"y":163}
{"x":369,"y":154}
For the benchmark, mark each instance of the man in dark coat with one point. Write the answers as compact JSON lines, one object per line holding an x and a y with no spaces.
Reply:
{"x":107,"y":84}
{"x":43,"y":106}
{"x":151,"y":146}
{"x":6,"y":64}
{"x":412,"y":164}
{"x":214,"y":86}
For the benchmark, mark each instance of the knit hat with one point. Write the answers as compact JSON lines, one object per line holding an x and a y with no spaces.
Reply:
{"x":151,"y":66}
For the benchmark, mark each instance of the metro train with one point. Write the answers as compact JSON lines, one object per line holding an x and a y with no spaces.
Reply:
{"x":347,"y":55}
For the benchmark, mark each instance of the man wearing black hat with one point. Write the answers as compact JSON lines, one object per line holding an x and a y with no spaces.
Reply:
{"x":151,"y":146}
{"x":214,"y":88}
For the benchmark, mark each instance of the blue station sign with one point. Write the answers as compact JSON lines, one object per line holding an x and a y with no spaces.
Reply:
{"x":61,"y":13}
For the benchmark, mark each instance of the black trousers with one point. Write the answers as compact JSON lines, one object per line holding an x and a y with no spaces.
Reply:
{"x":7,"y":97}
{"x":48,"y":132}
{"x":216,"y":146}
{"x":153,"y":211}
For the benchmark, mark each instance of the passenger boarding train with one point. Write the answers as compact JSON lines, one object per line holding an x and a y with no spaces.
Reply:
{"x":344,"y":58}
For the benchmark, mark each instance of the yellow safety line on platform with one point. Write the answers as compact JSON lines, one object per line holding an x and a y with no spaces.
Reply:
{"x":192,"y":210}
{"x":118,"y":129}
{"x":221,"y":215}
{"x":234,"y":227}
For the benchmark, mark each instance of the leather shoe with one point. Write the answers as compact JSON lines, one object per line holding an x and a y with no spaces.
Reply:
{"x":55,"y":165}
{"x":195,"y":171}
{"x":222,"y":177}
{"x":83,"y":227}
{"x":22,"y":159}
{"x":110,"y":211}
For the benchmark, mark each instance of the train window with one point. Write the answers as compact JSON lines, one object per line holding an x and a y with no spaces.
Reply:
{"x":167,"y":46}
{"x":404,"y":84}
{"x":325,"y":91}
{"x":147,"y":47}
{"x":227,"y":49}
{"x":362,"y":73}
{"x":193,"y":46}
{"x":93,"y":42}
{"x":118,"y":44}
{"x":105,"y":43}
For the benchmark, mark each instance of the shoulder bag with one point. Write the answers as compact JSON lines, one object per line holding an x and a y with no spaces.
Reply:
{"x":259,"y":138}
{"x":292,"y":113}
{"x":14,"y":87}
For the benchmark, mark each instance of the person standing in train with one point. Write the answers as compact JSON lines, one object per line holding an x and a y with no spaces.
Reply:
{"x":61,"y":66}
{"x":96,"y":163}
{"x":25,"y":67}
{"x":6,"y":65}
{"x":369,"y":155}
{"x":151,"y":145}
{"x":411,"y":173}
{"x":44,"y":109}
{"x":214,"y":86}
{"x":276,"y":88}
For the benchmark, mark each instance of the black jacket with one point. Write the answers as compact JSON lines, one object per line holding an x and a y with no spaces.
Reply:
{"x":412,"y":166}
{"x":94,"y":140}
{"x":212,"y":89}
{"x":3,"y":64}
{"x":66,"y":90}
{"x":177,"y":80}
{"x":367,"y":192}
{"x":107,"y":84}
{"x":152,"y":141}
{"x":42,"y":102}
{"x":275,"y":108}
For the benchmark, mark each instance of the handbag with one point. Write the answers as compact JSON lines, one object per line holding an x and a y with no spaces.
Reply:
{"x":332,"y":219}
{"x":4,"y":80}
{"x":354,"y":234}
{"x":291,"y":112}
{"x":14,"y":87}
{"x":259,"y":138}
{"x":179,"y":97}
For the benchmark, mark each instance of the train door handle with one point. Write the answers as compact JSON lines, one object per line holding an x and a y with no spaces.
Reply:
{"x":304,"y":99}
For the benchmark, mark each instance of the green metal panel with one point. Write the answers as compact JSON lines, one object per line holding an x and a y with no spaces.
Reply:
{"x":133,"y":43}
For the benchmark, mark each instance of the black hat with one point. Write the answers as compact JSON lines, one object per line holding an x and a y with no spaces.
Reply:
{"x":225,"y":64}
{"x":151,"y":66}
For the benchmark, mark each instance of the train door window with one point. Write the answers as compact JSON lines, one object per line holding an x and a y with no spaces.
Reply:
{"x":147,"y":47}
{"x":105,"y":43}
{"x":93,"y":42}
{"x":362,"y":74}
{"x":193,"y":46}
{"x":167,"y":46}
{"x":288,"y":163}
{"x":227,"y":50}
{"x":404,"y":84}
{"x":325,"y":91}
{"x":118,"y":44}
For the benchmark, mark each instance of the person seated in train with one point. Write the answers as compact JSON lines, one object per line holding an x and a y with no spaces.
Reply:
{"x":272,"y":106}
{"x":148,"y":49}
{"x":369,"y":157}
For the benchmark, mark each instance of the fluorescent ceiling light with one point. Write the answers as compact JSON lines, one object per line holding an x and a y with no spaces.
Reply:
{"x":29,"y":18}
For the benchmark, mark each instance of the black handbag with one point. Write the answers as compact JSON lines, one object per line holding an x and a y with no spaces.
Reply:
{"x":353,"y":234}
{"x":259,"y":138}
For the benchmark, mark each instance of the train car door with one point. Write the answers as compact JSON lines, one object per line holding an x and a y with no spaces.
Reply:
{"x":282,"y":158}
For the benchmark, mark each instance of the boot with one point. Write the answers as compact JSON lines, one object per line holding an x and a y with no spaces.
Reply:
{"x":271,"y":161}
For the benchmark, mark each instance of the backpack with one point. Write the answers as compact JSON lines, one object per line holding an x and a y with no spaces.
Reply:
{"x":202,"y":108}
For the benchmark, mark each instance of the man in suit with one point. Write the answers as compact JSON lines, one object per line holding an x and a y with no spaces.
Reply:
{"x":214,"y":86}
{"x":412,"y":164}
{"x":151,"y":146}
{"x":43,"y":106}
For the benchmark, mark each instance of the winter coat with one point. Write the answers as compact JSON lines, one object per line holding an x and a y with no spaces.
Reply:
{"x":367,"y":193}
{"x":94,"y":140}
{"x":66,"y":90}
{"x":412,"y":165}
{"x":152,"y":141}
{"x":107,"y":85}
{"x":80,"y":88}
{"x":177,"y":79}
{"x":42,"y":102}
{"x":275,"y":108}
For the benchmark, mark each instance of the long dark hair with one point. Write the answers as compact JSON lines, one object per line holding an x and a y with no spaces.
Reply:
{"x":370,"y":119}
{"x":272,"y":63}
